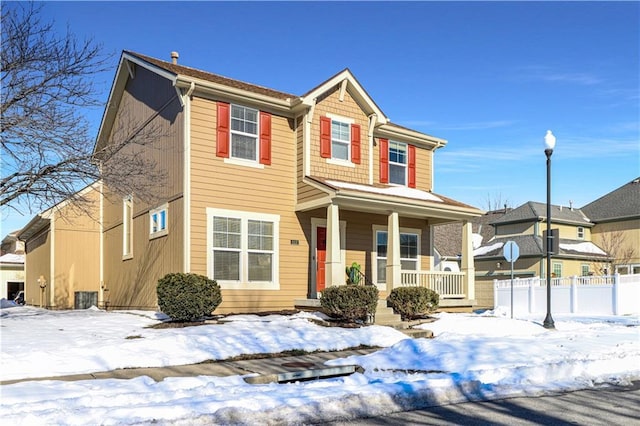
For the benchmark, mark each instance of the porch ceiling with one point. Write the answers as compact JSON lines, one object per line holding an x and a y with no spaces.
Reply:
{"x":384,"y":199}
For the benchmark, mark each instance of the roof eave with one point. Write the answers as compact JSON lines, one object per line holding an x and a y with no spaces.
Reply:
{"x":424,"y":140}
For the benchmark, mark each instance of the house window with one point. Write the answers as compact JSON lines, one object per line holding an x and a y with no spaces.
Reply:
{"x":127,"y":227}
{"x":409,"y":253}
{"x":158,"y":225}
{"x":244,"y":133}
{"x":585,"y":270}
{"x":556,"y":268}
{"x":244,"y":249}
{"x":580,"y":233}
{"x":397,"y":163}
{"x":340,"y":140}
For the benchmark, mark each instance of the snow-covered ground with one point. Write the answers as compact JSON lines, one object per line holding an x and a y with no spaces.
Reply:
{"x":472,"y":357}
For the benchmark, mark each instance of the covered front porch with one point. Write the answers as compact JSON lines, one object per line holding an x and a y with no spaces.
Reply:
{"x":390,"y":235}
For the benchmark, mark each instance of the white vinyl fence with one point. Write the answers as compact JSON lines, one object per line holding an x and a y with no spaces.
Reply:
{"x":599,"y":295}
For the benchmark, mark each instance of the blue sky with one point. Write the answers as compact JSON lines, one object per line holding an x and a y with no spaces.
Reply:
{"x":489,"y":77}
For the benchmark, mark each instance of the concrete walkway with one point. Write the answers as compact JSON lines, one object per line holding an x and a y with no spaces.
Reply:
{"x":267,"y":367}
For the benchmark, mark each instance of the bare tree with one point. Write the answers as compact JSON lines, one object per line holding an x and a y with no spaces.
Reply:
{"x":47,"y":86}
{"x":496,"y":202}
{"x":614,"y":244}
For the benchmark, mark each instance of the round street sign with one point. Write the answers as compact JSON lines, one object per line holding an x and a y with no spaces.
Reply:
{"x":511,"y":251}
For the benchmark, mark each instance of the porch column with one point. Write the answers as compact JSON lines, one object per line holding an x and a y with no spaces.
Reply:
{"x":393,"y":252}
{"x":467,"y":260}
{"x":334,"y":272}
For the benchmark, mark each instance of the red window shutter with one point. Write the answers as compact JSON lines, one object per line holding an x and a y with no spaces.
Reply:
{"x":412,"y":166}
{"x":222,"y":144}
{"x":384,"y":160}
{"x":265,"y":138}
{"x":325,"y":137}
{"x":355,"y":143}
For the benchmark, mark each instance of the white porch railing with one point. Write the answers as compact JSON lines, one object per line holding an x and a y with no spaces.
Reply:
{"x":449,"y":285}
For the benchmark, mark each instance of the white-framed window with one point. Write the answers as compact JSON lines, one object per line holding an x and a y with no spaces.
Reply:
{"x":158,"y":222}
{"x":409,"y":251}
{"x":397,"y":163}
{"x":585,"y":269}
{"x":580,"y":232}
{"x":127,"y":227}
{"x":243,"y":249}
{"x":340,"y":140}
{"x":556,"y":269}
{"x":244,"y":133}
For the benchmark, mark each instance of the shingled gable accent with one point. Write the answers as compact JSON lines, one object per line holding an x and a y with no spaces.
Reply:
{"x":354,"y":87}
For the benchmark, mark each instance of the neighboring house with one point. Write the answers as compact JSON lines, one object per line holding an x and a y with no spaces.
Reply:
{"x":269,"y":193}
{"x":11,"y":266}
{"x":62,"y":247}
{"x":524,"y":225}
{"x":616,"y":216}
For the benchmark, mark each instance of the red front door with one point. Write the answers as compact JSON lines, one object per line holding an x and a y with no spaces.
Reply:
{"x":321,"y":257}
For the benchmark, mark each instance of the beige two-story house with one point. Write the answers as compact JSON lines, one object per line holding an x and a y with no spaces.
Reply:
{"x":269,"y":193}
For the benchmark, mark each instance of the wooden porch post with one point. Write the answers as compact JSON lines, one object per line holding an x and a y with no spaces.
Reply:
{"x":467,"y":260}
{"x":334,"y":271}
{"x":393,"y":252}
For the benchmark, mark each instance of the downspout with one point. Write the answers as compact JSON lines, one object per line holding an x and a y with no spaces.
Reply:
{"x":373,"y":119}
{"x":52,"y":259}
{"x":101,"y":224}
{"x":186,"y":102}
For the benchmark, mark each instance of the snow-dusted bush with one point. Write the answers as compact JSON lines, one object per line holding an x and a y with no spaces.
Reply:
{"x":187,"y":297}
{"x":412,"y":302}
{"x":350,"y":302}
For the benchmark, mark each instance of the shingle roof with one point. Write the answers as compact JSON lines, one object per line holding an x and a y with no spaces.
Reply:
{"x":447,"y":238}
{"x":534,"y":211}
{"x":531,"y":245}
{"x":215,"y":78}
{"x":621,"y":203}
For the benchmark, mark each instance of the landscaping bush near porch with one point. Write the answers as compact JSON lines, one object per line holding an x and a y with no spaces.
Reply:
{"x":413,"y":302}
{"x":350,"y":302}
{"x":187,"y":297}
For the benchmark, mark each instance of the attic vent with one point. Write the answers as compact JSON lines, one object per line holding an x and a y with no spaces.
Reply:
{"x":174,"y":57}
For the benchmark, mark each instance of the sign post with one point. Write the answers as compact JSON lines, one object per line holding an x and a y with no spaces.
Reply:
{"x":511,"y":252}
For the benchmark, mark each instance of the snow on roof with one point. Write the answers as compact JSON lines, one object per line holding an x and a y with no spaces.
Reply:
{"x":12,"y":258}
{"x":586,"y":247}
{"x":398,"y":191}
{"x":487,"y":249}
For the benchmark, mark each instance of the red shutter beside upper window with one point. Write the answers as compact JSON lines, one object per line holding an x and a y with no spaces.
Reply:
{"x":265,"y":138}
{"x":384,"y":160}
{"x":355,"y":143}
{"x":222,"y":143}
{"x":325,"y":137}
{"x":412,"y":167}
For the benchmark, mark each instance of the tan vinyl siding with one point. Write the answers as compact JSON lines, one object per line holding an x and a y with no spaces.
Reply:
{"x":131,"y":282}
{"x":348,"y":108}
{"x":516,"y":229}
{"x":77,"y":252}
{"x":269,"y":189}
{"x":37,"y":264}
{"x":630,"y":232}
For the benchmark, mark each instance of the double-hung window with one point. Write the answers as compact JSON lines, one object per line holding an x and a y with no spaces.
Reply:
{"x":158,"y":225}
{"x":556,"y":269}
{"x":244,"y":133}
{"x":397,"y":163}
{"x":340,"y":140}
{"x":580,"y":232}
{"x":243,"y":249}
{"x":409,"y":253}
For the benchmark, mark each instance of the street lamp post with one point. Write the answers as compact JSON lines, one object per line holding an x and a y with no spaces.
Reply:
{"x":549,"y":143}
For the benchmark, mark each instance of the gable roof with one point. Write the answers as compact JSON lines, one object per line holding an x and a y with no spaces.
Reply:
{"x":532,"y":211}
{"x":621,"y":203}
{"x":531,"y":246}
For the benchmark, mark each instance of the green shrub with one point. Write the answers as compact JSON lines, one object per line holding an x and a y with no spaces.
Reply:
{"x":187,"y":297}
{"x":412,"y":302}
{"x":350,"y":302}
